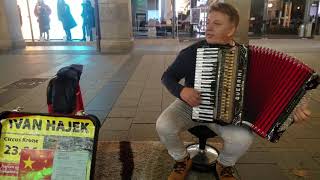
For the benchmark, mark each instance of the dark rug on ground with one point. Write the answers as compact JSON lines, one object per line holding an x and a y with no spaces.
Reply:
{"x":138,"y":160}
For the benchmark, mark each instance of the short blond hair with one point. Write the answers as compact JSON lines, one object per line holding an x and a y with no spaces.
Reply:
{"x":227,"y":9}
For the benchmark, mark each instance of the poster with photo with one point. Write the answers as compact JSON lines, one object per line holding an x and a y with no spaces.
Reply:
{"x":46,"y":147}
{"x":195,"y":15}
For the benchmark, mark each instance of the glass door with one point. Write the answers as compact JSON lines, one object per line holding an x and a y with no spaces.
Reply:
{"x":152,"y":18}
{"x":191,"y":18}
{"x":81,"y":11}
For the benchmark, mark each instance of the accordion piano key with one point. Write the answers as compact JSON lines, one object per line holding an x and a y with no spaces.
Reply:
{"x":215,"y":69}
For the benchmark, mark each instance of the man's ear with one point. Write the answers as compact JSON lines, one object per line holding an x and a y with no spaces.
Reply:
{"x":232,"y":31}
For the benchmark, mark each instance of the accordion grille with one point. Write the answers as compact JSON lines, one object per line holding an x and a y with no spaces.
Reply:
{"x":229,"y":71}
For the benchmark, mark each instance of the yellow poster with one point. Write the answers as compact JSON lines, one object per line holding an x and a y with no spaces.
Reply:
{"x":47,"y":125}
{"x":12,"y":144}
{"x":34,"y":134}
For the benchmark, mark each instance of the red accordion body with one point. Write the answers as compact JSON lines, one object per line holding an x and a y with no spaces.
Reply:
{"x":275,"y":84}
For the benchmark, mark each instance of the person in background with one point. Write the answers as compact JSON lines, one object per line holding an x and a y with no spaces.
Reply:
{"x":66,"y":18}
{"x":19,"y":12}
{"x":42,"y":12}
{"x":88,"y":19}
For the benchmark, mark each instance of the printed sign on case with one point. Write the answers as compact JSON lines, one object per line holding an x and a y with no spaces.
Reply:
{"x":46,"y":147}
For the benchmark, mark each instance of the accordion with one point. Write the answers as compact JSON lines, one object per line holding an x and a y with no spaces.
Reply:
{"x":250,"y":86}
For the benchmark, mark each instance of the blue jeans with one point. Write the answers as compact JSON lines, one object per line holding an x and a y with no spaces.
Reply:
{"x":177,"y":118}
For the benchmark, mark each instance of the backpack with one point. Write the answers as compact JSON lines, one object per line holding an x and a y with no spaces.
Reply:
{"x":62,"y":90}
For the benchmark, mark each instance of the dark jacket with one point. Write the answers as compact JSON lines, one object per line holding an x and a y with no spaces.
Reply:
{"x":65,"y":16}
{"x":88,"y":15}
{"x":42,"y":12}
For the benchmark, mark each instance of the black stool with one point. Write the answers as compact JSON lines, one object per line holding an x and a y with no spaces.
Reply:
{"x":202,"y":154}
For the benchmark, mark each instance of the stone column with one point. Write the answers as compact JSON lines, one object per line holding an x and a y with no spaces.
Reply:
{"x":306,"y":18}
{"x":10,"y":29}
{"x":115,"y":26}
{"x":243,"y":7}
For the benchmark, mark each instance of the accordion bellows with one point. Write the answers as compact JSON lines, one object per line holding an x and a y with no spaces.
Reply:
{"x":275,"y":85}
{"x":253,"y":86}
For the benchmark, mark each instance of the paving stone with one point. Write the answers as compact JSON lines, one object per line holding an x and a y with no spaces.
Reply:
{"x":100,"y":114}
{"x":150,"y":101}
{"x":38,"y":101}
{"x":33,"y":109}
{"x":303,"y":130}
{"x":98,"y":84}
{"x":258,"y":157}
{"x":18,"y":101}
{"x":291,"y":160}
{"x":3,"y":109}
{"x":89,"y":95}
{"x":123,"y":112}
{"x":10,"y":95}
{"x":152,"y":92}
{"x":260,"y":171}
{"x":44,"y":109}
{"x":317,"y":159}
{"x":154,"y":84}
{"x":314,"y":107}
{"x":301,"y":174}
{"x":117,"y":124}
{"x":131,"y":93}
{"x":101,"y":103}
{"x":314,"y":121}
{"x":149,"y":108}
{"x":2,"y":90}
{"x":286,"y":142}
{"x":132,"y":83}
{"x":316,"y":95}
{"x":126,"y":102}
{"x":146,"y":117}
{"x":309,"y":145}
{"x":108,"y":135}
{"x":143,"y":132}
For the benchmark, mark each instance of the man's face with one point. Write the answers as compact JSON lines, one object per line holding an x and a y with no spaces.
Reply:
{"x":219,"y":28}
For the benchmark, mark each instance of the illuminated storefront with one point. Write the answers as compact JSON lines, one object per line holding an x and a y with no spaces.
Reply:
{"x":283,"y":17}
{"x":268,"y":18}
{"x":30,"y":25}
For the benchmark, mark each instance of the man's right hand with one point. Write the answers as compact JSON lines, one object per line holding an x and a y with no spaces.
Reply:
{"x":191,"y":96}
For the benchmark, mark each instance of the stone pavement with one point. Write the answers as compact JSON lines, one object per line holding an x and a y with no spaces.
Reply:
{"x":125,"y":92}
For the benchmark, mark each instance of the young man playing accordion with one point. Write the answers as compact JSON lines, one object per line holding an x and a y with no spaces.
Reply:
{"x":222,"y":23}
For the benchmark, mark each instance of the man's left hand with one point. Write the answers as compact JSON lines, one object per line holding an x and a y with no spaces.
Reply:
{"x":301,"y":113}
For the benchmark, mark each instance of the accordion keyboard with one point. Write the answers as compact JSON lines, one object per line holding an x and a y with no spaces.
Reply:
{"x":206,"y":77}
{"x":219,"y":80}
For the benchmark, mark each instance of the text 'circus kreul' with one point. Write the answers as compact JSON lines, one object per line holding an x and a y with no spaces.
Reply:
{"x":48,"y":125}
{"x":23,"y":139}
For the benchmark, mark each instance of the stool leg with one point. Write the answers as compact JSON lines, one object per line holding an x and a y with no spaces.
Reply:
{"x":202,"y":143}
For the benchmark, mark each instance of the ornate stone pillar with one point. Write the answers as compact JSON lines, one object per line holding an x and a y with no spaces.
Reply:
{"x":115,"y":26}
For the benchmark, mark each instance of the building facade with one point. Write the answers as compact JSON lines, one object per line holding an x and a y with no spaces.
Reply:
{"x":119,"y":22}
